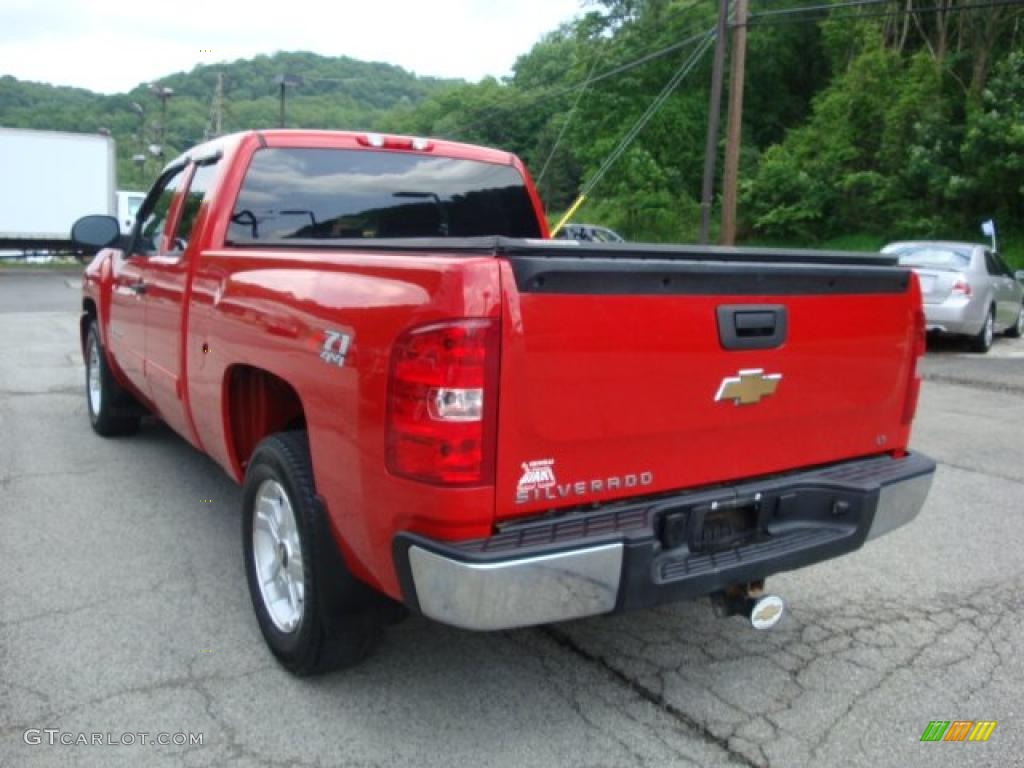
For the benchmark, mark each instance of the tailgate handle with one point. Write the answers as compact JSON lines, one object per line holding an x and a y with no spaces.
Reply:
{"x":749,"y":326}
{"x":755,"y":323}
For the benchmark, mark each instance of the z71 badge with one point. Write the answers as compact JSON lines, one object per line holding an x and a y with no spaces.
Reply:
{"x":335,"y":347}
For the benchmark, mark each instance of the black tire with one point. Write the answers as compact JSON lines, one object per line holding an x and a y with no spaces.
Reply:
{"x":112,"y":411}
{"x":982,"y":343}
{"x":339,"y":622}
{"x":1016,"y":330}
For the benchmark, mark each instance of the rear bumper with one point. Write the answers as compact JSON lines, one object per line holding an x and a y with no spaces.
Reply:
{"x":956,"y":315}
{"x":656,"y":550}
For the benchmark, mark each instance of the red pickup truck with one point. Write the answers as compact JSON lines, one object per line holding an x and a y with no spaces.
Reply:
{"x":432,"y":407}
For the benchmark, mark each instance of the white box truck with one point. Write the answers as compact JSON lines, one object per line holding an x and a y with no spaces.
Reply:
{"x":48,"y":179}
{"x":128,"y":203}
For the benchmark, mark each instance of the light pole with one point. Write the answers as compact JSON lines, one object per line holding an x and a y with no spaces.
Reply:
{"x":139,"y":110}
{"x":140,"y":137}
{"x":285,"y":81}
{"x":163,"y":93}
{"x":140,"y":162}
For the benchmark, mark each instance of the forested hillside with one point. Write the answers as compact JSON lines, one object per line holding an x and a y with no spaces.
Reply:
{"x":334,"y":93}
{"x":866,"y":121}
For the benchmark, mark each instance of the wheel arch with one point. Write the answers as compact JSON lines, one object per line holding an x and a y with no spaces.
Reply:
{"x":257,"y":403}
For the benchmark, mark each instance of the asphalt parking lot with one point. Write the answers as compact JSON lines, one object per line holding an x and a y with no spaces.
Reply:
{"x":123,"y":608}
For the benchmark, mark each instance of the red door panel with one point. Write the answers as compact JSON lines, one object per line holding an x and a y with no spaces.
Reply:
{"x":126,"y":336}
{"x":166,"y":279}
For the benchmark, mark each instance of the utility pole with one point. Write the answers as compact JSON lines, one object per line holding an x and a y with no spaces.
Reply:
{"x":734,"y":128}
{"x":141,"y":136}
{"x":284,"y":81}
{"x":164,"y":94}
{"x":218,"y":106}
{"x":281,"y":85}
{"x":714,"y":113}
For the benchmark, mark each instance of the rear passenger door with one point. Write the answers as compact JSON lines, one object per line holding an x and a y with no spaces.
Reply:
{"x":167,"y":280}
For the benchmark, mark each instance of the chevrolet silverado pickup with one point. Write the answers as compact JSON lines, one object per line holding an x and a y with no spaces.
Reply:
{"x":434,"y":408}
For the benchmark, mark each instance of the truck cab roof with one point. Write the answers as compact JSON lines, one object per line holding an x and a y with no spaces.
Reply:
{"x":363,"y":140}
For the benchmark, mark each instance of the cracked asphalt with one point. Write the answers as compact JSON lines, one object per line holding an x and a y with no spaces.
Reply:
{"x":123,"y":609}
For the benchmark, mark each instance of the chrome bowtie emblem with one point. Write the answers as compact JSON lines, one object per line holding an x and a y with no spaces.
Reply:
{"x":749,"y":387}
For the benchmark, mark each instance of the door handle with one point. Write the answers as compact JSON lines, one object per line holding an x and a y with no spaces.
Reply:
{"x":138,"y":288}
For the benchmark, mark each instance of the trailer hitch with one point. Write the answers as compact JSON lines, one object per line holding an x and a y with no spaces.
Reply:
{"x":763,"y":611}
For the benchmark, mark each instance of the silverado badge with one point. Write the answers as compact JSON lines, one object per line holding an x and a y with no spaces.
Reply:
{"x":749,"y":387}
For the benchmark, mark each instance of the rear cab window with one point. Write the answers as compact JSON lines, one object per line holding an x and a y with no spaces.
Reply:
{"x":292,"y":194}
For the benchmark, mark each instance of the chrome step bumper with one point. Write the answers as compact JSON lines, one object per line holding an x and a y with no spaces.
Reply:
{"x":620,"y":557}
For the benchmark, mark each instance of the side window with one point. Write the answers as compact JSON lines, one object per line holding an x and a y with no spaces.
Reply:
{"x":154,"y":214}
{"x":202,"y":179}
{"x":990,"y":263}
{"x":1003,"y":266}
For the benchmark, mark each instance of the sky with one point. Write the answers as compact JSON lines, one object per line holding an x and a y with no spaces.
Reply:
{"x":109,"y":46}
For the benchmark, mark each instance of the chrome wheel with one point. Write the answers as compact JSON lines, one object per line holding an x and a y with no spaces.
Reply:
{"x":277,"y":555}
{"x":1020,"y":322}
{"x":93,"y":381}
{"x":990,"y":330}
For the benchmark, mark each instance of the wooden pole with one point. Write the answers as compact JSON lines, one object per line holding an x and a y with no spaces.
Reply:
{"x":714,"y":114}
{"x":734,"y":128}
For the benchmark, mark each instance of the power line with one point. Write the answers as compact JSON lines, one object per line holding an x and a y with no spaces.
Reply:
{"x":640,"y":124}
{"x":783,"y":16}
{"x":540,"y":97}
{"x":568,"y":119}
{"x":649,"y":57}
{"x":824,"y":7}
{"x":645,"y":118}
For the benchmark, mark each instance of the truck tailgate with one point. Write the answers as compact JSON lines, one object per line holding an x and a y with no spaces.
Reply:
{"x":623,"y":375}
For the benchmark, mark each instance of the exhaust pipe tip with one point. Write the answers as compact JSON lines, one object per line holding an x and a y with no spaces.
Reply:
{"x":766,"y":611}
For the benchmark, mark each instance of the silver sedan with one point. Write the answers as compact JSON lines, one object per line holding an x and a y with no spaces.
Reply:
{"x":967,"y":289}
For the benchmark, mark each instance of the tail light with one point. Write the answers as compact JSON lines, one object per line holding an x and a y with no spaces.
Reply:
{"x":919,"y":345}
{"x":961,"y":286}
{"x":442,"y":403}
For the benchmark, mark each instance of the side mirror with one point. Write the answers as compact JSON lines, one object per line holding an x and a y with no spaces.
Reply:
{"x":95,"y":232}
{"x":1020,"y":275}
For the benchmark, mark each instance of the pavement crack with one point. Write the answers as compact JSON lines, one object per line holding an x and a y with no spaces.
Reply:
{"x":960,"y":381}
{"x":564,"y":641}
{"x":87,"y":606}
{"x":40,"y":393}
{"x":6,"y":479}
{"x":983,"y":473}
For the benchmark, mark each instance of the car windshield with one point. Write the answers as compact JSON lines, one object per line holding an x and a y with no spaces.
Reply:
{"x":935,"y":257}
{"x":291,"y":194}
{"x":606,"y":236}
